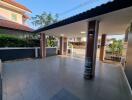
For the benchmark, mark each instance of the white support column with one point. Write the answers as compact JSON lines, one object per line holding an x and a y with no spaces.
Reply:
{"x":36,"y":52}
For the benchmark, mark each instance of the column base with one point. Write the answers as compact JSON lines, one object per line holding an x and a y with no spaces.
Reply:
{"x":88,"y":77}
{"x":88,"y":68}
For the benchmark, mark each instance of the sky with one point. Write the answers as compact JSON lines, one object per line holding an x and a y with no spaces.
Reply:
{"x":64,"y":8}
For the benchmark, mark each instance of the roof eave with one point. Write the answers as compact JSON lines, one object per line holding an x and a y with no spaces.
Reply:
{"x":99,"y":10}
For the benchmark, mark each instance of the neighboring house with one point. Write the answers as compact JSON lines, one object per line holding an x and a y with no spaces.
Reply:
{"x":13,"y":17}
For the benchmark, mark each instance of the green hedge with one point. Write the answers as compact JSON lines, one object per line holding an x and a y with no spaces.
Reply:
{"x":12,"y":41}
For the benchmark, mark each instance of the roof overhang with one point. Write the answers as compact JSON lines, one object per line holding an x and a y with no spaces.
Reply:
{"x":5,"y":24}
{"x":114,"y":18}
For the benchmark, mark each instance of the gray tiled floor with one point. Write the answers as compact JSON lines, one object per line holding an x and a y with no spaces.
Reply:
{"x":0,"y":88}
{"x":61,"y":78}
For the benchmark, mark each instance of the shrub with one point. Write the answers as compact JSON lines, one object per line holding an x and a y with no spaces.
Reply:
{"x":12,"y":41}
{"x":51,"y":41}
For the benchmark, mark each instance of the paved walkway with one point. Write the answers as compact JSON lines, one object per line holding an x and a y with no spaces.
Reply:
{"x":61,"y":78}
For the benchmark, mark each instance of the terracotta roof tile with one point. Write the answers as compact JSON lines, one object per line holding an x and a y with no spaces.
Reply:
{"x":13,"y":25}
{"x":14,"y":3}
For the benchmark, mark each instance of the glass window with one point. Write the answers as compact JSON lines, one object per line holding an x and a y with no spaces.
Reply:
{"x":14,"y":17}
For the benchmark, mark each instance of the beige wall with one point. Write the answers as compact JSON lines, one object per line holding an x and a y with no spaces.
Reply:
{"x":7,"y":14}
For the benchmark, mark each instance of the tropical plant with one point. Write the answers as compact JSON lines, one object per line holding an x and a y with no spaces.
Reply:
{"x":113,"y":47}
{"x":51,"y":41}
{"x":116,"y":47}
{"x":119,"y":47}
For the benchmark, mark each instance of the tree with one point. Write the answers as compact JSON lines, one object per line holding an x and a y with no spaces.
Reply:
{"x":44,"y":19}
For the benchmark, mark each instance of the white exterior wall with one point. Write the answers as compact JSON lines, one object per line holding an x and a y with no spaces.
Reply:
{"x":7,"y":14}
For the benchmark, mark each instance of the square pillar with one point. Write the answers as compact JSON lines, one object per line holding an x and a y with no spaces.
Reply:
{"x":102,"y":47}
{"x":42,"y":45}
{"x":126,"y":37}
{"x":91,"y":48}
{"x":63,"y":45}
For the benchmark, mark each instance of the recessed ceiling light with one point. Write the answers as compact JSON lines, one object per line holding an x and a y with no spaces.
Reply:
{"x":62,"y":34}
{"x":83,"y":32}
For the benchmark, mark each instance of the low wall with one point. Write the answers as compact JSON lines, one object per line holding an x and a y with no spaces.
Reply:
{"x":21,"y":53}
{"x":51,"y":52}
{"x":0,"y":80}
{"x":0,"y":68}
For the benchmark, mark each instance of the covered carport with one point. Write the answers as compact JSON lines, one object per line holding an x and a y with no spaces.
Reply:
{"x":61,"y":77}
{"x":112,"y":18}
